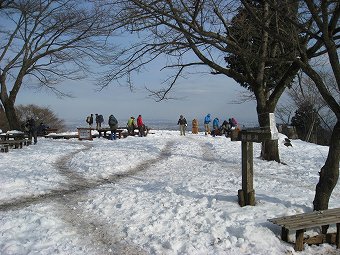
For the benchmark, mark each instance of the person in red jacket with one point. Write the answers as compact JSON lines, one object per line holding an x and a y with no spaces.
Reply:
{"x":141,"y":126}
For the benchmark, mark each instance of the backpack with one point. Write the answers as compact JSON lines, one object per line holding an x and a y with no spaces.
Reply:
{"x":112,"y":121}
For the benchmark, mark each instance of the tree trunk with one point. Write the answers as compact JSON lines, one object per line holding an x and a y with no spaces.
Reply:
{"x":11,"y":115}
{"x":329,"y":173}
{"x":269,"y":149}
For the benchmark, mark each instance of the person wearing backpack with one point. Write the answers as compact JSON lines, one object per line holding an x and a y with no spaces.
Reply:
{"x":216,"y":125}
{"x":89,"y":120}
{"x":32,"y":130}
{"x":182,"y":122}
{"x":207,"y":120}
{"x":113,"y":123}
{"x":131,"y":126}
{"x":99,"y":120}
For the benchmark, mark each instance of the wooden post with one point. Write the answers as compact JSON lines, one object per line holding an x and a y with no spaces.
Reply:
{"x":251,"y":198}
{"x":284,"y":234}
{"x":337,"y":238}
{"x":299,"y":240}
{"x":247,"y":173}
{"x":241,"y":200}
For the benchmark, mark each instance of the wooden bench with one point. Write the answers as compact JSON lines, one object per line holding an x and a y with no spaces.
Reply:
{"x":17,"y":144}
{"x":105,"y":130}
{"x":301,"y":222}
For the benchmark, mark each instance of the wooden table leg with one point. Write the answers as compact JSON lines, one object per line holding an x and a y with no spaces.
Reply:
{"x":299,"y":240}
{"x":337,"y":239}
{"x":284,"y":234}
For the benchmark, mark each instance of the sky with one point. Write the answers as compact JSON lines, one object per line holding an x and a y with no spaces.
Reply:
{"x":195,"y":96}
{"x":161,"y":194}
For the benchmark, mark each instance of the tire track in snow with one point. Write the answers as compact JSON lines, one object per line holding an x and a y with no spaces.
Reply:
{"x":208,"y":154}
{"x":99,"y":233}
{"x":96,"y":231}
{"x":81,"y":184}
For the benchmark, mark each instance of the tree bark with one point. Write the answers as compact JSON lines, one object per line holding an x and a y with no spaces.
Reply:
{"x":270,"y":151}
{"x":11,"y":115}
{"x":329,"y":173}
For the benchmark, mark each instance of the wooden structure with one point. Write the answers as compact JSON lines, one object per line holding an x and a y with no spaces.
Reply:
{"x":301,"y":222}
{"x":246,"y":195}
{"x":118,"y":132}
{"x":13,"y":140}
{"x":85,"y":133}
{"x":12,"y":136}
{"x":4,"y":147}
{"x":16,"y":144}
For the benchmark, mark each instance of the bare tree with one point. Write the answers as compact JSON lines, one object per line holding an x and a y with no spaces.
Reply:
{"x":318,"y":23}
{"x":199,"y":33}
{"x":41,"y":115}
{"x":44,"y":41}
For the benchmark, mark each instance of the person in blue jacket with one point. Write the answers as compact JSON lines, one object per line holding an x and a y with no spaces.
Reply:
{"x":207,"y":120}
{"x":216,"y":126}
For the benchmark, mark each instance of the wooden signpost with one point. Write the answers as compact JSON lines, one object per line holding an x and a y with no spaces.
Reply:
{"x":84,"y":134}
{"x":246,"y":195}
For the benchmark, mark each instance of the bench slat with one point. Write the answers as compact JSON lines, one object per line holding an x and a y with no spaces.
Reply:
{"x":302,"y":220}
{"x":312,"y":223}
{"x":308,"y":220}
{"x":329,"y":212}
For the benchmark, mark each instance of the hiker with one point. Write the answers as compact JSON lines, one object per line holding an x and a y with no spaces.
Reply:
{"x":182,"y":122}
{"x":42,"y":129}
{"x":99,"y":120}
{"x":89,"y":120}
{"x":141,"y":126}
{"x":225,"y":128}
{"x":207,"y":120}
{"x":31,"y":129}
{"x":113,"y":123}
{"x":233,"y":123}
{"x":216,"y":125}
{"x":131,"y":126}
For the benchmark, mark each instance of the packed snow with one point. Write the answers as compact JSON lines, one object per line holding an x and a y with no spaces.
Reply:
{"x":160,"y":194}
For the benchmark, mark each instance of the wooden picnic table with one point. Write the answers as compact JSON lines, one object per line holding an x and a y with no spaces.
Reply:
{"x":13,"y":136}
{"x":14,"y":140}
{"x":105,"y":130}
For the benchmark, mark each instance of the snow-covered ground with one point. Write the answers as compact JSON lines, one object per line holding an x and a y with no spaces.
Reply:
{"x":160,"y":194}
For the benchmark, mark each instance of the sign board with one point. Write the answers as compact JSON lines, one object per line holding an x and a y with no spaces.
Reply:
{"x":84,"y":134}
{"x":259,"y":134}
{"x":256,"y":136}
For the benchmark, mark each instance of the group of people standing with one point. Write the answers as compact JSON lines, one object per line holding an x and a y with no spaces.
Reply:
{"x":113,"y":124}
{"x":131,"y":126}
{"x":99,"y":119}
{"x":218,"y":129}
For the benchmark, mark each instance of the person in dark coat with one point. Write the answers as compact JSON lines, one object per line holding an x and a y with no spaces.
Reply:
{"x":42,"y":129}
{"x":99,"y":120}
{"x":89,"y":120}
{"x":113,"y":123}
{"x":32,"y":130}
{"x":182,"y":122}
